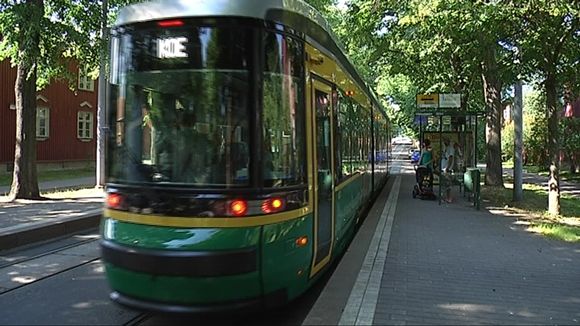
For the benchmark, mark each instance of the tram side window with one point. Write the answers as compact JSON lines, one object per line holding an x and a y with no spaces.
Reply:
{"x":380,"y":142}
{"x":368,"y":142}
{"x":283,"y":130}
{"x":358,"y":138}
{"x":344,"y":133}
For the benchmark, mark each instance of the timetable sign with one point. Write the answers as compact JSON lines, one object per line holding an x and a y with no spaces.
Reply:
{"x":172,"y":47}
{"x":449,"y":101}
{"x":427,"y":101}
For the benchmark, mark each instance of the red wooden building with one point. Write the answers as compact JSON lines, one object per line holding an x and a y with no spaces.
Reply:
{"x":65,"y":122}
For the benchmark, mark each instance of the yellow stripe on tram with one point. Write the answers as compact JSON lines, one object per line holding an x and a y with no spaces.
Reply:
{"x":348,"y":181}
{"x":205,"y":222}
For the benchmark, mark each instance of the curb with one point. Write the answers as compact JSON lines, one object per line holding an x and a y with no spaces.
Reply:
{"x":28,"y":233}
{"x":6,"y":191}
{"x":334,"y":297}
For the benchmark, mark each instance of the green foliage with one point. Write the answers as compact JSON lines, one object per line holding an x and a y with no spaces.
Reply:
{"x":69,"y":32}
{"x":507,"y":142}
{"x":535,"y":130}
{"x":534,"y":203}
{"x":571,"y":141}
{"x":438,"y":45}
{"x":550,"y":39}
{"x":557,"y":231}
{"x":398,"y":94}
{"x":323,"y":6}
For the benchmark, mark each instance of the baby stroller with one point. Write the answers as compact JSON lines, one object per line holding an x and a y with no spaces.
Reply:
{"x":424,"y":187}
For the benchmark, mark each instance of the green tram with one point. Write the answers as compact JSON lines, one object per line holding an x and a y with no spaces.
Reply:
{"x":242,"y":148}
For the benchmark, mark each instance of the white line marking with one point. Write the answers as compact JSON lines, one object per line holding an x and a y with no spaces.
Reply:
{"x":362,"y":302}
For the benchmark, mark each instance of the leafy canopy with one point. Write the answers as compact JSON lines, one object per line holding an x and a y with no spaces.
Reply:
{"x":68,"y":31}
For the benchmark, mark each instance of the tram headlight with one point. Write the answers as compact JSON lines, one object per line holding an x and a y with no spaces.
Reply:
{"x":170,"y":23}
{"x":114,"y":200}
{"x":238,"y":207}
{"x":272,"y":205}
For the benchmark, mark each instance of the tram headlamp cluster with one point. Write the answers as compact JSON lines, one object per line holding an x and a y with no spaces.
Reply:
{"x":115,"y":200}
{"x":272,"y":205}
{"x":235,"y":207}
{"x":238,"y":207}
{"x":170,"y":23}
{"x":241,"y":207}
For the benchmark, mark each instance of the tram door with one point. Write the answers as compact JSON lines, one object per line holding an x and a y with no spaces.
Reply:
{"x":323,"y":199}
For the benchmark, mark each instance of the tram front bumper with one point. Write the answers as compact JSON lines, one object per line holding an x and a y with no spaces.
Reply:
{"x":182,"y":281}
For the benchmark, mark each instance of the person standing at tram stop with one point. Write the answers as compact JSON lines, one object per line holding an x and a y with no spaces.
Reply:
{"x":458,"y":164}
{"x":447,"y":163}
{"x":427,"y":156}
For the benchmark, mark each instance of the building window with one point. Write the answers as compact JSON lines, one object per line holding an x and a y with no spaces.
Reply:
{"x":86,"y":83}
{"x":42,"y":122}
{"x":85,"y":125}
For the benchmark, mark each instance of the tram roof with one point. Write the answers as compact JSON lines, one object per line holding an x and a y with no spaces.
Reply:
{"x":293,"y":13}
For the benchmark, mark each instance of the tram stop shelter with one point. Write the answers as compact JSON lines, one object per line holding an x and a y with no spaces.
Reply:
{"x":442,"y":117}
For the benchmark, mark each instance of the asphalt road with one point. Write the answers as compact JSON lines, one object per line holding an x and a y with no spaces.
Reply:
{"x":63,"y":283}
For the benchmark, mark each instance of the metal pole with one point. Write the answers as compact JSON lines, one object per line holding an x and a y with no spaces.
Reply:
{"x":518,"y":194}
{"x":475,"y":134}
{"x":100,"y":168}
{"x":421,"y":137}
{"x":440,"y":157}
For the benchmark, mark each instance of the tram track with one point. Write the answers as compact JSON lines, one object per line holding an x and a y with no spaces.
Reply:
{"x":9,"y":262}
{"x":138,"y":320}
{"x":2,"y":292}
{"x":31,"y":265}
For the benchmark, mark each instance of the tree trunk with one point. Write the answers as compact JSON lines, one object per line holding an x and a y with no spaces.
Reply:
{"x":492,"y":93}
{"x":553,"y":147}
{"x":25,"y":178}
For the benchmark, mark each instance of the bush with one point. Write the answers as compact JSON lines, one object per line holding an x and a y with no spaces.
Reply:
{"x":535,"y":130}
{"x":507,"y":142}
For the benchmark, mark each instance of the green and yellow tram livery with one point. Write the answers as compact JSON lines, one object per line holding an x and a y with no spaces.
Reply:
{"x":242,"y":148}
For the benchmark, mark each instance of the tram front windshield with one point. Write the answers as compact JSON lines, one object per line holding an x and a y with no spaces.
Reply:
{"x":180,"y":106}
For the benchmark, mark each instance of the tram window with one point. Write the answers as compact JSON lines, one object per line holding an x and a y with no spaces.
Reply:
{"x":366,"y":156}
{"x":343,"y":136}
{"x":185,"y":117}
{"x":283,"y":130}
{"x":361,"y":138}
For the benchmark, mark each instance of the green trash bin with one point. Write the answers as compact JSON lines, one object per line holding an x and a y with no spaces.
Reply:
{"x":472,"y":184}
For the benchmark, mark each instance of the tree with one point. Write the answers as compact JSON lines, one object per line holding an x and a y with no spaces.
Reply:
{"x":536,"y":127}
{"x":401,"y":88}
{"x":43,"y":38}
{"x":550,"y":47}
{"x":443,"y":46}
{"x":571,"y":143}
{"x":323,"y":6}
{"x":27,"y":20}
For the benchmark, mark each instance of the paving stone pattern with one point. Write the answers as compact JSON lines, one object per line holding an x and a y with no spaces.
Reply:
{"x":451,"y":264}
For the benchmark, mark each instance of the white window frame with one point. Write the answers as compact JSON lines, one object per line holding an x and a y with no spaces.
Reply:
{"x":86,"y":83}
{"x":85,"y":120}
{"x":39,"y":133}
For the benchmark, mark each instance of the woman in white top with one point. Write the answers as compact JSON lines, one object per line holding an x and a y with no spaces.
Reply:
{"x":446,"y":168}
{"x":447,"y":158}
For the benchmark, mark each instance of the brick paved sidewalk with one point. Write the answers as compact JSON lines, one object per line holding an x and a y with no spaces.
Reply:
{"x":26,"y":221}
{"x":451,"y":264}
{"x":415,"y":262}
